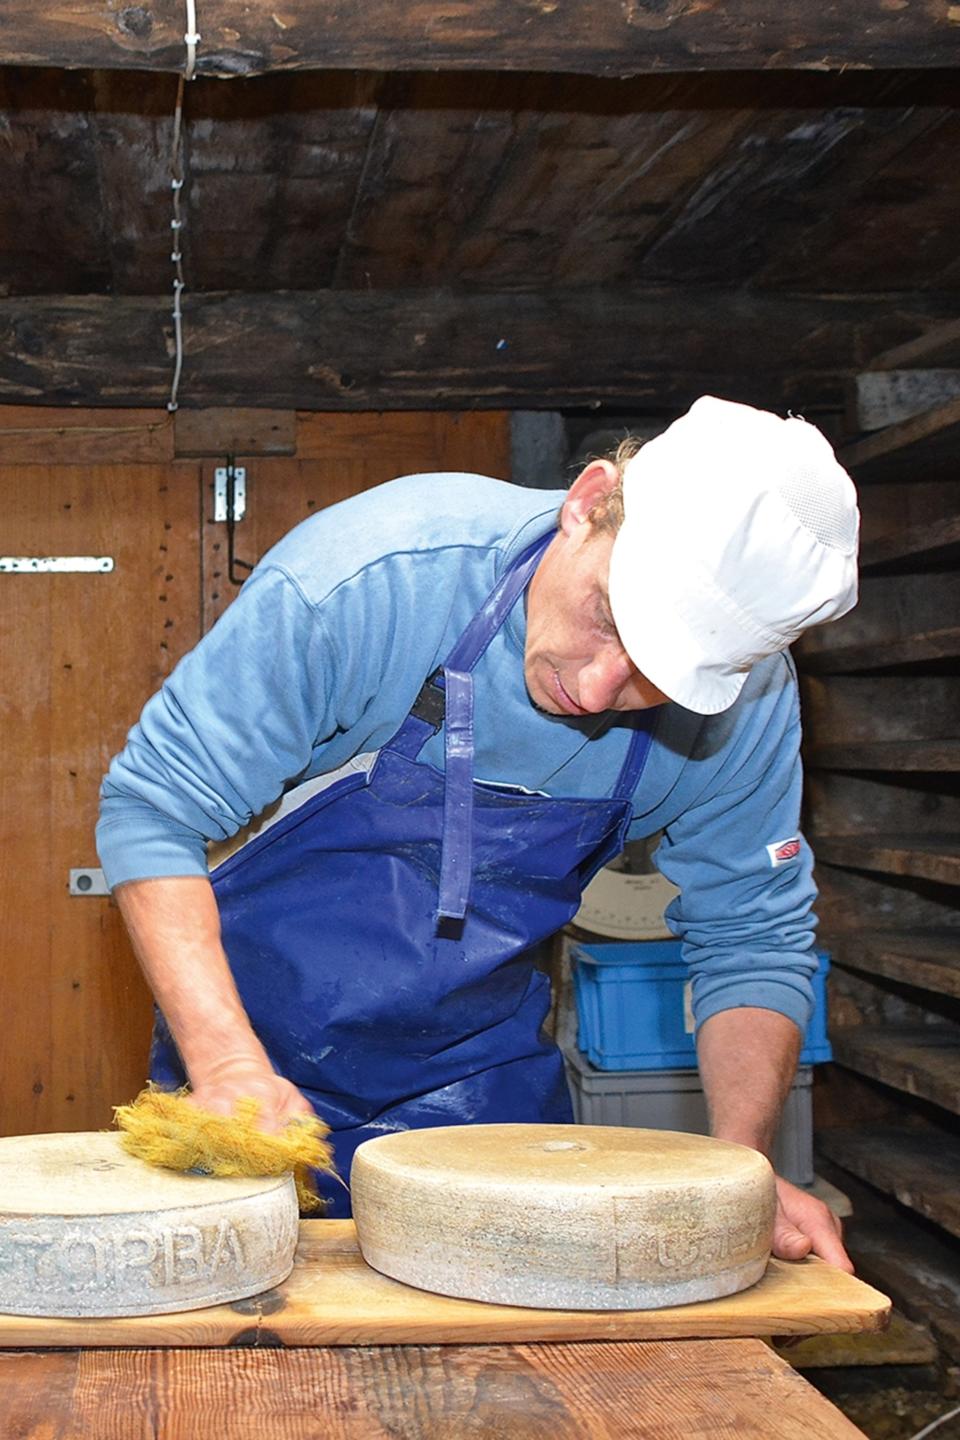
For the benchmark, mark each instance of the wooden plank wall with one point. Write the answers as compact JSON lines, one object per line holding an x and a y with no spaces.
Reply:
{"x":79,"y":654}
{"x":882,"y":723}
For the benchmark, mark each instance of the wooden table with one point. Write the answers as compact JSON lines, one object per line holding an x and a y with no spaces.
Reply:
{"x":338,"y":1352}
{"x":600,"y":1390}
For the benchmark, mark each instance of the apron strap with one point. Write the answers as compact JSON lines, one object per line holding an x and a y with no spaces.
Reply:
{"x":497,"y":606}
{"x":426,"y":715}
{"x":456,"y":851}
{"x":446,"y":700}
{"x":638,"y":752}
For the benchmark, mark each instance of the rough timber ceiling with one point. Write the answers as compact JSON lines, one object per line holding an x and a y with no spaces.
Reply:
{"x":771,"y":181}
{"x":414,"y":239}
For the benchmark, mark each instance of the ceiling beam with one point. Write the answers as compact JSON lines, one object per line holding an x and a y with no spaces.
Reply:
{"x":588,"y":37}
{"x":363,"y":350}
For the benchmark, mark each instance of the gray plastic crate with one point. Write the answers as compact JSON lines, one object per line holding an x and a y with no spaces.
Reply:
{"x":674,"y":1100}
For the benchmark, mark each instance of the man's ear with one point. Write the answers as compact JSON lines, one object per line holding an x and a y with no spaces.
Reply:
{"x":591,"y":486}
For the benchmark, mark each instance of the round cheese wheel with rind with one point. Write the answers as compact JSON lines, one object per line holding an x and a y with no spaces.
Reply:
{"x":86,"y":1229}
{"x":573,"y":1217}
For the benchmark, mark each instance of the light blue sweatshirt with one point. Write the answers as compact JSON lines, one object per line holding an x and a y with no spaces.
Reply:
{"x":324,"y":651}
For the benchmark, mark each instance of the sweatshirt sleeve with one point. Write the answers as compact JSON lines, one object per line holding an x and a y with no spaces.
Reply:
{"x":744,"y":913}
{"x":236,"y":720}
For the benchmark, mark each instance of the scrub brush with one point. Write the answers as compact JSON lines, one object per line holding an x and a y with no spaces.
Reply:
{"x":164,"y":1128}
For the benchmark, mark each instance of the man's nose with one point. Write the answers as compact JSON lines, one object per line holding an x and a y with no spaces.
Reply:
{"x":602,"y":680}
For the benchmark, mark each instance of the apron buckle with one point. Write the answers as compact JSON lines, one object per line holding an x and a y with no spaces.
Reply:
{"x":430,"y":705}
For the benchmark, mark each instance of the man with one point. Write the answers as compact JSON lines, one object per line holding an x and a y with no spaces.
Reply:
{"x":467,"y":708}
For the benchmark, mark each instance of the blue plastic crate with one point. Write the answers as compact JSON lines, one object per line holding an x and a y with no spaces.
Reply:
{"x":633,"y":1007}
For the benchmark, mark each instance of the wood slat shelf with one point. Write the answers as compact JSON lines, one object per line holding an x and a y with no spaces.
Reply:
{"x":928,"y":538}
{"x":928,"y":960}
{"x":903,"y":1256}
{"x":921,"y":1060}
{"x":940,"y":644}
{"x":924,"y":755}
{"x":917,"y":1168}
{"x":917,"y":855}
{"x":904,"y":1342}
{"x":921,"y":446}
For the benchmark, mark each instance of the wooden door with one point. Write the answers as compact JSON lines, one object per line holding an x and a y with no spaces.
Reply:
{"x":79,"y":654}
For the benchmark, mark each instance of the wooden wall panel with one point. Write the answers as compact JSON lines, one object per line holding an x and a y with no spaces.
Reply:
{"x":339,"y":455}
{"x":891,"y":608}
{"x":43,"y":435}
{"x":905,"y":806}
{"x":79,"y":654}
{"x":852,"y":709}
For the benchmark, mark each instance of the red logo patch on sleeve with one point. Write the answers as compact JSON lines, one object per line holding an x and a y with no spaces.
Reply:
{"x":784,"y":850}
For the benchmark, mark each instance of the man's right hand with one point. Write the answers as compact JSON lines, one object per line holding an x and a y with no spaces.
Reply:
{"x":230,"y":1081}
{"x":175,"y":928}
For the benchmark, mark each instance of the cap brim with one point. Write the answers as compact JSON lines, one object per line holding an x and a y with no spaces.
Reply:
{"x":644,"y":590}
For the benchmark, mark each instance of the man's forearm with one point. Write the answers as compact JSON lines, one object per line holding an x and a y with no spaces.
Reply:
{"x":748,"y":1059}
{"x":174,"y":925}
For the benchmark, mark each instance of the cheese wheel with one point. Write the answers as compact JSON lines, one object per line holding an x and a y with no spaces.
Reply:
{"x":86,"y":1229}
{"x":573,"y":1217}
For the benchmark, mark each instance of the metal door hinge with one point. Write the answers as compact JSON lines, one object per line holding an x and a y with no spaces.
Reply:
{"x":55,"y":564}
{"x":222,"y":477}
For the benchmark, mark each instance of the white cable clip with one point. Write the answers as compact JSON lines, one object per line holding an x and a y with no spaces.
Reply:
{"x":191,"y":39}
{"x":176,"y":224}
{"x":176,"y":184}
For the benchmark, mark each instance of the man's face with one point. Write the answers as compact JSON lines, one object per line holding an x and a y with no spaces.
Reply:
{"x":574,"y":663}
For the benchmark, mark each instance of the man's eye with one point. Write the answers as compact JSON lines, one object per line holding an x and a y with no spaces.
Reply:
{"x":605,"y":621}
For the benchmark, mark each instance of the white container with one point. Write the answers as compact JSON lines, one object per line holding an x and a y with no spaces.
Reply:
{"x":674,"y":1100}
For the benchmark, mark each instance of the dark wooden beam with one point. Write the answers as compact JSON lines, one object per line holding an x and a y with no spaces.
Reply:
{"x":589,"y":37}
{"x":361,"y":350}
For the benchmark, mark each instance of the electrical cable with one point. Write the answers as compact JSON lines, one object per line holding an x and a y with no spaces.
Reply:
{"x":191,"y":40}
{"x":935,"y":1424}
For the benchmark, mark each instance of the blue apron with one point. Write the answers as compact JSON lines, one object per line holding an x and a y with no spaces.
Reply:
{"x":378,"y":933}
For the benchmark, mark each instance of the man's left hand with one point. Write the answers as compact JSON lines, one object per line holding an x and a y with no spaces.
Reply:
{"x":804,"y":1225}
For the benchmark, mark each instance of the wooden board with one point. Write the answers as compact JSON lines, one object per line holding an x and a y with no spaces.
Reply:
{"x":334,"y":1298}
{"x":938,"y":538}
{"x":496,"y":34}
{"x":920,"y":755}
{"x":942,"y":643}
{"x":918,"y":1264}
{"x":920,"y":1060}
{"x":721,"y":1388}
{"x":917,"y":1167}
{"x":440,"y":348}
{"x":39,"y":434}
{"x":893,"y":855}
{"x":927,"y":960}
{"x":920,"y":446}
{"x":904,"y":1342}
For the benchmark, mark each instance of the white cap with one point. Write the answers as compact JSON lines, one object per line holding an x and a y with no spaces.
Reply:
{"x":740,"y":530}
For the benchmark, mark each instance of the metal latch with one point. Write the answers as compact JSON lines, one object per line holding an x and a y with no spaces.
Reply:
{"x":222,"y":478}
{"x":88,"y":881}
{"x":55,"y":564}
